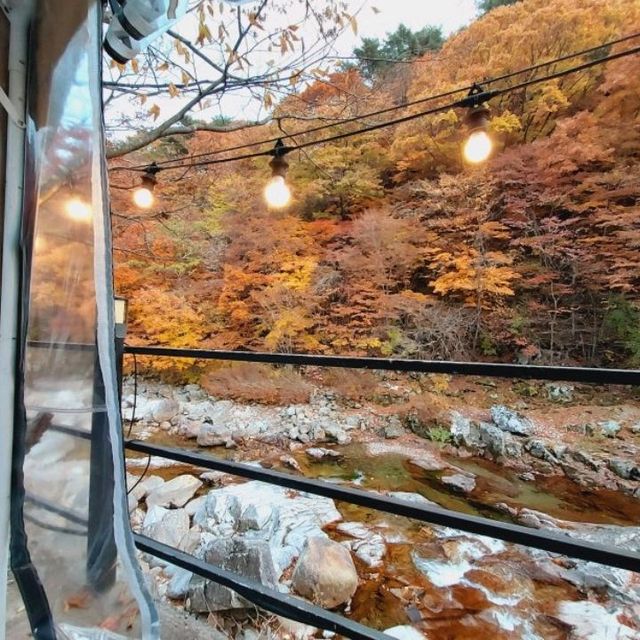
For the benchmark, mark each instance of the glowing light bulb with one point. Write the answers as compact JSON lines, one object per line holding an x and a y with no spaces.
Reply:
{"x":478,"y":147}
{"x":277,"y":193}
{"x":143,"y":197}
{"x":39,"y":244}
{"x":78,"y":210}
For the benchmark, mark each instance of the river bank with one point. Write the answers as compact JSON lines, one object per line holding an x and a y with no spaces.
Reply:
{"x":501,"y":461}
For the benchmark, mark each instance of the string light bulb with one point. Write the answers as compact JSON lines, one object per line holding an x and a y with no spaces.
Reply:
{"x":78,"y":210}
{"x":478,"y":145}
{"x":277,"y":192}
{"x":143,"y":195}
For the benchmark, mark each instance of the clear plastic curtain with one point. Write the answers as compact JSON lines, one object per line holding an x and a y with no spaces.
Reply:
{"x":74,"y":511}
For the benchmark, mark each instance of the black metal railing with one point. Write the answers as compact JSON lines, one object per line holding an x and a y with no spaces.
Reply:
{"x":296,"y":608}
{"x":301,"y":611}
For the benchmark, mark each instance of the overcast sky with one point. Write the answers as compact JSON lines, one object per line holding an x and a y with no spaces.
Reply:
{"x":451,"y":15}
{"x":448,"y":14}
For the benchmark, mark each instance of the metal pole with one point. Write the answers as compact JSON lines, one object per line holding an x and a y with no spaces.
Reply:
{"x":10,"y":288}
{"x":101,"y":546}
{"x":120,"y":316}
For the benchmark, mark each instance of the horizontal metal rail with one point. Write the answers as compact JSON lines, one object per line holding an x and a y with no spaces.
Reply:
{"x":54,"y":527}
{"x":517,"y":534}
{"x":51,"y":507}
{"x":549,"y":541}
{"x":486,"y":369}
{"x":278,"y":603}
{"x":70,"y":431}
{"x":62,"y":346}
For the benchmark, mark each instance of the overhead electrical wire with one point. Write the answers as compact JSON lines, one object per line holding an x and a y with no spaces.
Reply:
{"x":182,"y":162}
{"x":465,"y":102}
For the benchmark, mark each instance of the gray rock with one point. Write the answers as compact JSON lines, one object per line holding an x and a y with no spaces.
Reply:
{"x":214,"y":477}
{"x":493,"y":438}
{"x":325,"y":573}
{"x":190,"y":541}
{"x":405,"y":632}
{"x":559,"y":450}
{"x":391,"y":432}
{"x":626,"y":469}
{"x":318,"y":434}
{"x":610,"y":428}
{"x":149,"y":484}
{"x":256,"y":517}
{"x":586,"y":459}
{"x":512,"y":448}
{"x":248,"y":558}
{"x":194,"y":505}
{"x":170,"y":529}
{"x":335,"y":432}
{"x":394,"y":428}
{"x":560,"y":392}
{"x":213,"y":435}
{"x":460,"y":482}
{"x":590,"y":575}
{"x":189,"y":428}
{"x":317,"y":453}
{"x":195,"y":392}
{"x":290,"y":462}
{"x":295,"y":517}
{"x":511,"y":421}
{"x":464,"y":432}
{"x":429,"y":462}
{"x":153,"y":516}
{"x":592,"y":621}
{"x":538,"y":449}
{"x":369,"y":546}
{"x":176,"y":492}
{"x":635,"y":428}
{"x":353,"y":421}
{"x":164,"y":410}
{"x":198,"y":411}
{"x":178,"y":586}
{"x":416,"y":498}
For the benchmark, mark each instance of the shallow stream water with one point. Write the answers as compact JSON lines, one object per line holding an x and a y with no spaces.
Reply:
{"x":558,"y":497}
{"x":503,"y":595}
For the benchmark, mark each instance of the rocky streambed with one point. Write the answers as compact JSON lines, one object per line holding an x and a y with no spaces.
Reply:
{"x":386,"y":571}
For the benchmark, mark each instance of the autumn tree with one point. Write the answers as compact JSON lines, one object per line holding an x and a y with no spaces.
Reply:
{"x":391,"y":246}
{"x":484,"y":6}
{"x":226,"y":55}
{"x":497,"y":43}
{"x":375,"y":57}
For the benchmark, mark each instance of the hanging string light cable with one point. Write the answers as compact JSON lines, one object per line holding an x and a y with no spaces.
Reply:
{"x":487,"y":82}
{"x":470,"y":101}
{"x":465,"y":103}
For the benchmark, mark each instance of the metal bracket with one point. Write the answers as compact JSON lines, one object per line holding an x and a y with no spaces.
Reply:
{"x":10,"y":108}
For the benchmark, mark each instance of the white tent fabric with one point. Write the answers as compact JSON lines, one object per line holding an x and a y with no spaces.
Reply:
{"x":85,"y":561}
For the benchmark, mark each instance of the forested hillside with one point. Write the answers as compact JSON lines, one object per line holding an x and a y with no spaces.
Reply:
{"x":392,"y":245}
